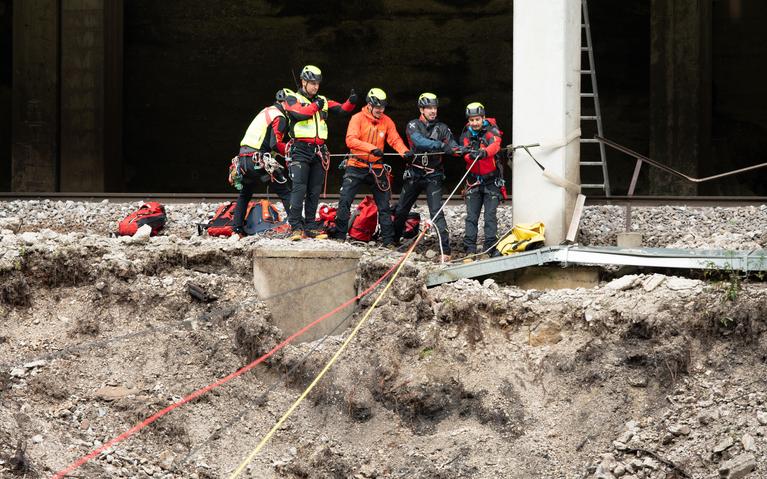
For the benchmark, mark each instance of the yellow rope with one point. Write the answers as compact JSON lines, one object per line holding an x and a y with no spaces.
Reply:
{"x":335,"y":357}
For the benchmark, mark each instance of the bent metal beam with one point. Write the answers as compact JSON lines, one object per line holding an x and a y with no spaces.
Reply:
{"x":726,"y":260}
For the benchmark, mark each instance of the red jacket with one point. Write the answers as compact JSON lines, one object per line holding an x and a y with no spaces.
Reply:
{"x":488,"y":138}
{"x":366,"y":133}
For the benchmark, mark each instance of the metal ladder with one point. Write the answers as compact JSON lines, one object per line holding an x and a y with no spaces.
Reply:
{"x":594,"y":94}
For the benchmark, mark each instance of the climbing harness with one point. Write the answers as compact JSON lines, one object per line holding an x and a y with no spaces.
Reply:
{"x":382,"y":179}
{"x":324,"y":154}
{"x":260,"y":161}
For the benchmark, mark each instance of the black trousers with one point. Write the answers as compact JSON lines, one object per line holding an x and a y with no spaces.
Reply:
{"x":249,"y":184}
{"x":307,"y":175}
{"x":486,"y":195}
{"x":417,"y":181}
{"x":353,"y":179}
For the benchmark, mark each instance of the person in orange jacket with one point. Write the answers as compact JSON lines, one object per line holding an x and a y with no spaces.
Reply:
{"x":366,"y":136}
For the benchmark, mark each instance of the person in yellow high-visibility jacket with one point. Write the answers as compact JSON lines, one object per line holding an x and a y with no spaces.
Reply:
{"x":308,"y":111}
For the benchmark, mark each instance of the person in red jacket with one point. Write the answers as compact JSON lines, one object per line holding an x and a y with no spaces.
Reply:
{"x":366,"y":136}
{"x":483,"y":184}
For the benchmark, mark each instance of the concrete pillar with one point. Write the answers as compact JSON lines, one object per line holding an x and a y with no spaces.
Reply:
{"x":546,"y":109}
{"x":680,"y":91}
{"x":34,"y":165}
{"x":276,"y":271}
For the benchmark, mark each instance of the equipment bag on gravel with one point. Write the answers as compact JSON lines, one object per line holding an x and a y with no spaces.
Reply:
{"x":363,"y":224}
{"x":326,"y":216}
{"x":151,"y":213}
{"x":522,"y":237}
{"x":260,"y":216}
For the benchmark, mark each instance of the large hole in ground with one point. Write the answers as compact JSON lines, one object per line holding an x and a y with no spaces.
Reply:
{"x":462,"y":380}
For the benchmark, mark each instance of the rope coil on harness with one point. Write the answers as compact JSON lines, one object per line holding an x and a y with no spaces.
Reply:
{"x":324,"y":154}
{"x":385,"y":173}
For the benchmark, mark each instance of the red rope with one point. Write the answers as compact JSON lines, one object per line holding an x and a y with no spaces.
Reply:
{"x":325,"y":159}
{"x":130,"y":432}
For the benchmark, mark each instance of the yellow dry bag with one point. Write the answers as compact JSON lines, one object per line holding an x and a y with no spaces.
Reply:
{"x":522,"y":237}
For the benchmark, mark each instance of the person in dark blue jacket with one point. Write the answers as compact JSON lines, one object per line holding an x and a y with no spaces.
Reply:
{"x":426,"y":172}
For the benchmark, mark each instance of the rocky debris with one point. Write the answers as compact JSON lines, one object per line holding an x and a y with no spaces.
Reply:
{"x":738,"y":467}
{"x":13,"y":224}
{"x":624,"y":282}
{"x":650,"y":283}
{"x":142,"y":234}
{"x":113,"y":393}
{"x":641,"y":377}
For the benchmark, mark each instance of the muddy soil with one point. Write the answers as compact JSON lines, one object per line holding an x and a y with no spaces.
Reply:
{"x":644,"y":376}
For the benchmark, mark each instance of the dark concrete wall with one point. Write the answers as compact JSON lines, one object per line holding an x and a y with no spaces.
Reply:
{"x":35,"y":95}
{"x":82,"y":95}
{"x":680,"y":91}
{"x":6,"y":85}
{"x":621,"y":37}
{"x":739,"y":130}
{"x":196,"y":75}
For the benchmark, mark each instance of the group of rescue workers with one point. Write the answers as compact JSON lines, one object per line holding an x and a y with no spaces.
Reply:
{"x":295,"y":127}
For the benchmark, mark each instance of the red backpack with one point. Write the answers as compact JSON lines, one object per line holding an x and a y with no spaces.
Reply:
{"x":364,"y":220}
{"x":412,"y":225}
{"x":326,"y":216}
{"x":260,"y":216}
{"x":151,"y":213}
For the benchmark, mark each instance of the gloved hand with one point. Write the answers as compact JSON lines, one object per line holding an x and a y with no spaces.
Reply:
{"x":448,"y":149}
{"x":352,"y":97}
{"x":319,"y":102}
{"x":377,"y":152}
{"x":479,"y":154}
{"x":408,"y":155}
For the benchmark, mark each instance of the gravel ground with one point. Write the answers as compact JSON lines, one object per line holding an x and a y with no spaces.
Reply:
{"x":737,"y":228}
{"x":644,"y":376}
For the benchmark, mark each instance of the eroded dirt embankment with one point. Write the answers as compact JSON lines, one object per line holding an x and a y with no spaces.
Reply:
{"x":642,"y":377}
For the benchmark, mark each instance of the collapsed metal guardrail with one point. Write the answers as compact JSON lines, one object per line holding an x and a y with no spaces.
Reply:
{"x":727,"y":260}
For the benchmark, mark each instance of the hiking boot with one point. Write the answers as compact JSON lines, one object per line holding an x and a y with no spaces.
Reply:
{"x":335,"y":234}
{"x":445,"y":258}
{"x":239,"y":233}
{"x":296,"y":235}
{"x":390,"y":246}
{"x":316,"y":234}
{"x":468,"y":259}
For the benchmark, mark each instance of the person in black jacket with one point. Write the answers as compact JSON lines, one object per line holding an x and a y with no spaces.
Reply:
{"x":426,"y":172}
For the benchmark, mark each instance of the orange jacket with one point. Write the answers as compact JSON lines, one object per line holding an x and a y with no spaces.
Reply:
{"x":366,"y":133}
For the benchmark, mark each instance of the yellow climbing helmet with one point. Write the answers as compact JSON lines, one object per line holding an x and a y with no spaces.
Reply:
{"x":283,"y":94}
{"x":427,"y":99}
{"x":376,"y":97}
{"x":311,"y":73}
{"x":475,"y":109}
